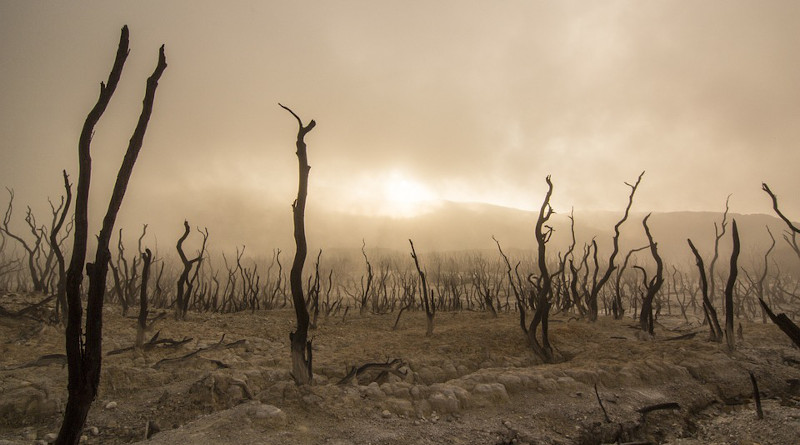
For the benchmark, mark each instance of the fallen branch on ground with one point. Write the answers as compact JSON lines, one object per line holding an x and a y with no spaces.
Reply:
{"x":392,"y":367}
{"x":153,"y":342}
{"x":218,"y":345}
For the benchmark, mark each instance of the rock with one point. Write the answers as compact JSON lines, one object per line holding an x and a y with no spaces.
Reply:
{"x":444,"y":402}
{"x":84,"y":438}
{"x":386,"y":414}
{"x":401,"y":407}
{"x":268,"y":415}
{"x":512,"y":382}
{"x":30,"y":435}
{"x":50,"y":437}
{"x":490,"y":393}
{"x":111,"y":405}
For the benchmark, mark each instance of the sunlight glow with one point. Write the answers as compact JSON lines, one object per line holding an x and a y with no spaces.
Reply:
{"x":393,"y":193}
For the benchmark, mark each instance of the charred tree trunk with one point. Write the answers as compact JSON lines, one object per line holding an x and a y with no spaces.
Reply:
{"x":542,"y":298}
{"x":84,"y":359}
{"x":653,"y":286}
{"x":61,"y":295}
{"x":730,"y":339}
{"x":427,"y":297}
{"x":301,"y":347}
{"x":708,"y":306}
{"x":141,"y":326}
{"x":184,"y":287}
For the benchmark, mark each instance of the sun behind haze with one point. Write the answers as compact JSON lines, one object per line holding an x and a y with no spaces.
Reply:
{"x":416,"y":103}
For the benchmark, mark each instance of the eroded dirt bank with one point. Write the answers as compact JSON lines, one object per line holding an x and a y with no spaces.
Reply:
{"x":474,"y":381}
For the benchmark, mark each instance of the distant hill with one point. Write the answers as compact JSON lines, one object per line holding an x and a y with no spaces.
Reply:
{"x":453,"y":226}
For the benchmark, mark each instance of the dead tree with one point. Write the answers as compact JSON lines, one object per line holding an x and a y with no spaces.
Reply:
{"x":365,"y":289}
{"x":141,"y":326}
{"x":184,"y":284}
{"x":759,"y":284}
{"x":653,"y":286}
{"x":791,"y":236}
{"x":428,"y":301}
{"x":84,"y":358}
{"x":784,"y":323}
{"x":515,"y":287}
{"x":32,"y":250}
{"x":301,"y":346}
{"x":541,"y":289}
{"x":718,"y":234}
{"x":730,"y":339}
{"x":597,"y":285}
{"x":61,"y":296}
{"x":708,"y":306}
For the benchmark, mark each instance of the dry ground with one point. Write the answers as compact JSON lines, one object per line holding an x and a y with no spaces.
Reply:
{"x":473,"y":382}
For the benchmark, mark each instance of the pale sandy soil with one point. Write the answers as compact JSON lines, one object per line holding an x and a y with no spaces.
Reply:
{"x":474,"y":382}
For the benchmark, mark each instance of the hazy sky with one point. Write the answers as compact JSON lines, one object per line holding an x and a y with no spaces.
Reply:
{"x":414,"y":101}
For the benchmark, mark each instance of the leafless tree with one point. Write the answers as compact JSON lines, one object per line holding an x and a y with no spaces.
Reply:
{"x":730,"y":339}
{"x":301,"y":346}
{"x":652,"y":286}
{"x":791,"y":235}
{"x":61,"y":296}
{"x":33,"y":249}
{"x":185,"y":285}
{"x":597,"y":285}
{"x":428,"y":301}
{"x":541,"y":285}
{"x":141,"y":325}
{"x":708,"y":306}
{"x":84,"y":357}
{"x":719,"y":232}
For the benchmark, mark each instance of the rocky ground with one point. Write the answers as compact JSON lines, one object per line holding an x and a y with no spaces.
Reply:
{"x":473,"y":382}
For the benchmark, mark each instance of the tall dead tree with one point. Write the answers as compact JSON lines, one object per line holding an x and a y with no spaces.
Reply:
{"x":541,"y":289}
{"x":84,"y":357}
{"x":301,"y":347}
{"x":708,"y":306}
{"x":653,"y":285}
{"x":597,"y":285}
{"x":730,"y":339}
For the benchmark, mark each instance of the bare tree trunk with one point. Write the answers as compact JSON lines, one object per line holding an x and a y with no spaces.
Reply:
{"x":147,"y":258}
{"x":301,"y":347}
{"x":708,"y":306}
{"x":731,"y":340}
{"x":184,"y":287}
{"x":84,"y":359}
{"x":543,"y":290}
{"x":653,"y":286}
{"x":427,"y":295}
{"x":61,"y":295}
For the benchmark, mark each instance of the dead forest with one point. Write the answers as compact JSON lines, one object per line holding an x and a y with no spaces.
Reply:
{"x":152,"y":291}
